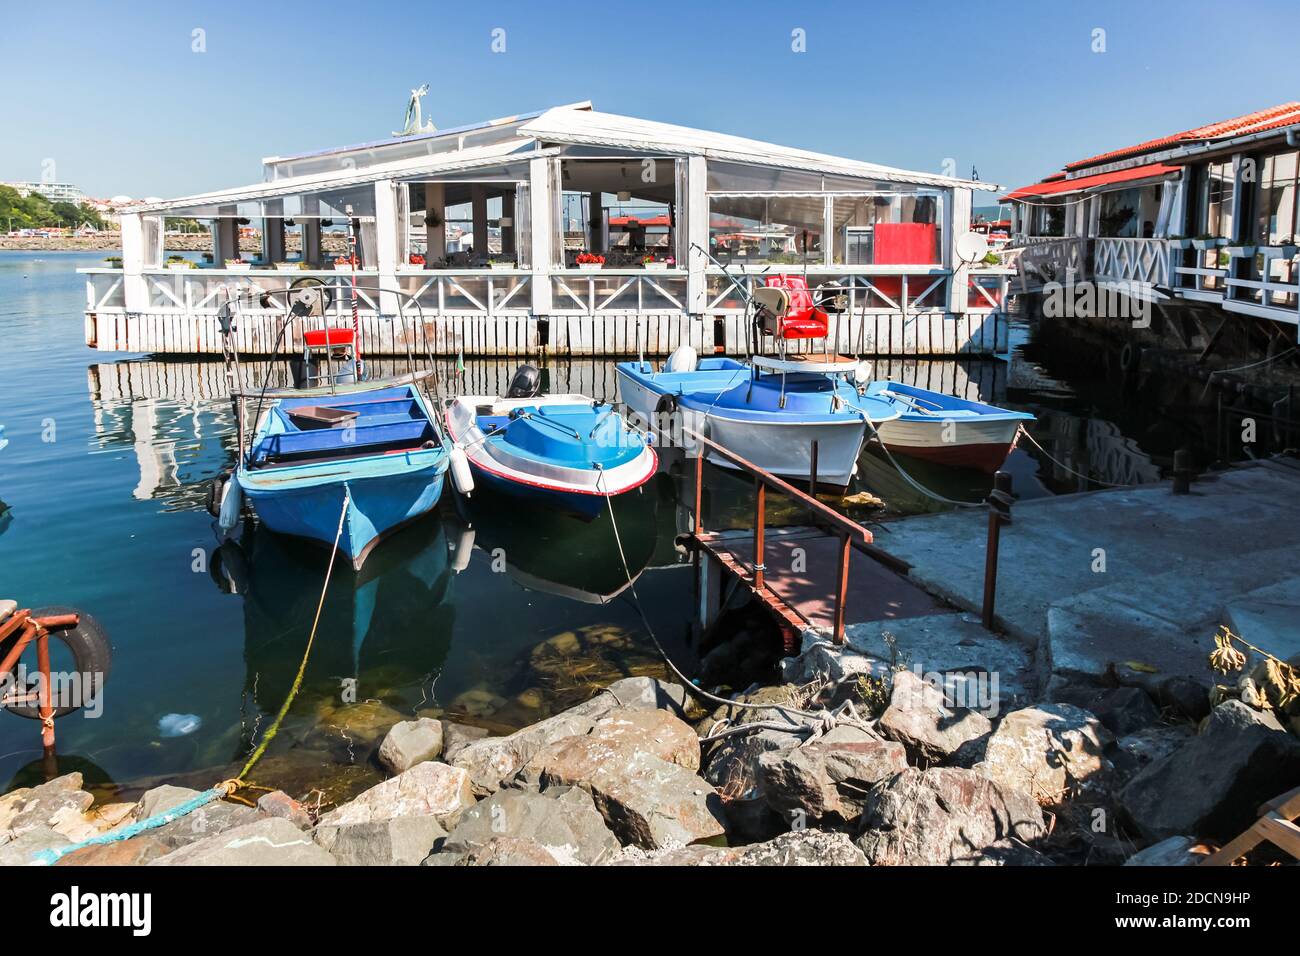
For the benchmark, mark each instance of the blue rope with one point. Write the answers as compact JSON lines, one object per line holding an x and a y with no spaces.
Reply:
{"x":51,"y":856}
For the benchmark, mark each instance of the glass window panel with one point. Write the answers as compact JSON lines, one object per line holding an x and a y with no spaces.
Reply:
{"x":766,"y":229}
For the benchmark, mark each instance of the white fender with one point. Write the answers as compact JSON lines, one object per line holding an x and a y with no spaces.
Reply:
{"x":232,"y":500}
{"x":463,"y":550}
{"x":683,"y":359}
{"x":461,"y":476}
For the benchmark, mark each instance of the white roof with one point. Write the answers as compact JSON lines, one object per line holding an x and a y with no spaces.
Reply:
{"x":569,"y":125}
{"x":470,"y":158}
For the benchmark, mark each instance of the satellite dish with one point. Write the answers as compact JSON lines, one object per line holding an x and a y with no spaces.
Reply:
{"x":972,"y":247}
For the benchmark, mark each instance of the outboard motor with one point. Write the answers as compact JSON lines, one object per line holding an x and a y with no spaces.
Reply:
{"x":525,"y":383}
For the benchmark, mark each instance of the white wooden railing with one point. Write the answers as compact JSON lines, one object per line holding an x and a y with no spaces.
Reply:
{"x":1045,"y":260}
{"x":618,"y":292}
{"x":1131,"y":261}
{"x":904,"y":289}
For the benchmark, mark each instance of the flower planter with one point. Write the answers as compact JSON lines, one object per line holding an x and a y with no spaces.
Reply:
{"x":180,"y":266}
{"x":1240,"y":251}
{"x":501,"y":266}
{"x":655,"y":266}
{"x":1180,"y":243}
{"x":288,"y":266}
{"x":239,"y":266}
{"x":1204,"y":245}
{"x":344,"y":267}
{"x":1287,"y":252}
{"x":591,"y":266}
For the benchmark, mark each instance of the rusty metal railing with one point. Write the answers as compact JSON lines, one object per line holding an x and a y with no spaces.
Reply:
{"x":851,"y":534}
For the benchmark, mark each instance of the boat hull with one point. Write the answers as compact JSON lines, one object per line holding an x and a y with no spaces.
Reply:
{"x":782,"y":447}
{"x":981,"y":443}
{"x":377,"y":506}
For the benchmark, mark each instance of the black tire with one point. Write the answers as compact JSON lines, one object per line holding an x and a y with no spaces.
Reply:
{"x":213,"y":502}
{"x":667,"y":405}
{"x":90,"y":649}
{"x":1130,"y":357}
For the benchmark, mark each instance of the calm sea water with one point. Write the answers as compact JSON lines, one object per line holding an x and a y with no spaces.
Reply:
{"x":104,"y":479}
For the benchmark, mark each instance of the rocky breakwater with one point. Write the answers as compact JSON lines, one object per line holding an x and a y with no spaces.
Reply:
{"x":855,"y":771}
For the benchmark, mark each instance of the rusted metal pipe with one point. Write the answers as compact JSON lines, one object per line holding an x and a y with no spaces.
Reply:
{"x":841,"y":590}
{"x":760,"y":527}
{"x":999,"y":502}
{"x":46,"y":690}
{"x":812,"y":472}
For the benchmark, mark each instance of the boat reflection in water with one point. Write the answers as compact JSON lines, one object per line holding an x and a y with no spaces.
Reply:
{"x":556,"y":553}
{"x":387,"y":627}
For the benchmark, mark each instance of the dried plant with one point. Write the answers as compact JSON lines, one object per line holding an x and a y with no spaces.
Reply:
{"x":1279,"y":682}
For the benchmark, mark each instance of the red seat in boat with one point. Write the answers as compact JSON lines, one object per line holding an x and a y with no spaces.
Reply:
{"x":319,"y":338}
{"x":803,"y":320}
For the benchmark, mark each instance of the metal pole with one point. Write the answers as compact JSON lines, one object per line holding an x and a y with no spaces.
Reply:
{"x":999,"y":502}
{"x":1182,"y":472}
{"x":760,"y":521}
{"x":812,"y":472}
{"x":699,"y":493}
{"x":841,"y":589}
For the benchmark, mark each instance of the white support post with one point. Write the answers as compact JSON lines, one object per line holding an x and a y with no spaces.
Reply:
{"x":697,"y":235}
{"x":957,"y":207}
{"x":479,"y":220}
{"x":540,"y":212}
{"x":134,"y":287}
{"x":387,"y":233}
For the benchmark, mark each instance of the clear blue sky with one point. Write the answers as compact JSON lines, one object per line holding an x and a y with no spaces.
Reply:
{"x":114,"y":95}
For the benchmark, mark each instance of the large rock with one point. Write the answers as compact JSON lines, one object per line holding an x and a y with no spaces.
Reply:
{"x":616,"y":738}
{"x":644,"y":799}
{"x":428,"y":789}
{"x":208,"y":820}
{"x":277,"y":803}
{"x":493,"y":760}
{"x":1046,"y":750}
{"x":60,"y":804}
{"x":1175,"y":851}
{"x":411,"y":742}
{"x":794,"y":848}
{"x":919,"y":718}
{"x":136,"y":851}
{"x":564,"y":821}
{"x":267,"y":842}
{"x":1214,"y":783}
{"x":401,"y":841}
{"x":19,"y":850}
{"x":498,"y":851}
{"x":456,"y":737}
{"x":826,"y":780}
{"x":943,"y":816}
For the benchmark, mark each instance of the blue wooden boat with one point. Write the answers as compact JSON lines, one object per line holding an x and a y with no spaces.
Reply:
{"x":380,"y":445}
{"x":565,"y":452}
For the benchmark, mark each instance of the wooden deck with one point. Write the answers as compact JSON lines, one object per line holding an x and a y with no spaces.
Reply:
{"x":801,"y":576}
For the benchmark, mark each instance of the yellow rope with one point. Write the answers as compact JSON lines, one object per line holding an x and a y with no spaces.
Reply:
{"x":238,"y":782}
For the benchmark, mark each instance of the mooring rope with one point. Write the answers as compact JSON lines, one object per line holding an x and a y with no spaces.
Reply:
{"x":823,"y":720}
{"x":227,"y":788}
{"x":1078,"y":474}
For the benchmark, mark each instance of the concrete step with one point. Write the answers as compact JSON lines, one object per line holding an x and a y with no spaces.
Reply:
{"x":1269,"y":617}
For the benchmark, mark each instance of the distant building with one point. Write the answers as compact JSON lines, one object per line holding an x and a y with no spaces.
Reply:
{"x":54,"y":192}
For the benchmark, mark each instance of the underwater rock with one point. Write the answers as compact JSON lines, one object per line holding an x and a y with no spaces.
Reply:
{"x":456,"y":737}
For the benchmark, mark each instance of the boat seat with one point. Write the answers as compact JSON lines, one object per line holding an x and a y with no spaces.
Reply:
{"x":325,"y":443}
{"x":7,"y":609}
{"x":801,"y":319}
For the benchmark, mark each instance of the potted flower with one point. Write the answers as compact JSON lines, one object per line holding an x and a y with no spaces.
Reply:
{"x":345,"y":263}
{"x":238,"y":265}
{"x":589,"y":262}
{"x":1240,"y":249}
{"x":114,"y":262}
{"x":179,"y":262}
{"x":1205,"y":242}
{"x":1286,"y":247}
{"x":1179,"y":242}
{"x":650,"y":265}
{"x":290,"y":266}
{"x":415,"y":259}
{"x":500,"y":264}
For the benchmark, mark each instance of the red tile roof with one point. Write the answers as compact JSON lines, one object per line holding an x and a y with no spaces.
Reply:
{"x":1052,"y":186}
{"x":1285,"y":114}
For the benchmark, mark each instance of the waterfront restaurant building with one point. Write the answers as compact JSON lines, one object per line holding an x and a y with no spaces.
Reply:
{"x":1205,"y":220}
{"x":483,"y":229}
